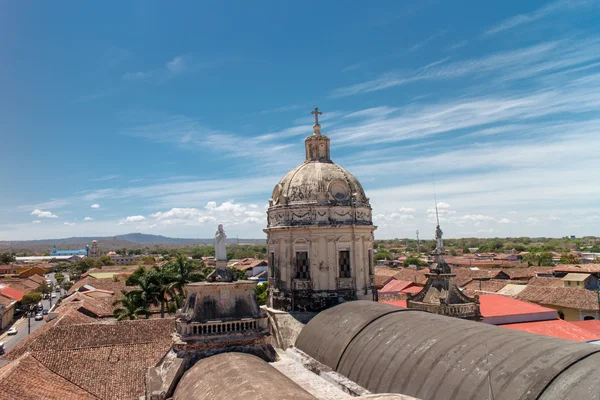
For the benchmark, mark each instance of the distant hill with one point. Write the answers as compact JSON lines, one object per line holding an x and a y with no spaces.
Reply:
{"x":129,"y":240}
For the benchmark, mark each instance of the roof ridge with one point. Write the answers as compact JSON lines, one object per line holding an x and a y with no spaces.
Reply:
{"x":68,"y":380}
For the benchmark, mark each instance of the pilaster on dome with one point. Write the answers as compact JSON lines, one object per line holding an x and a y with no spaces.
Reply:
{"x":317,"y":145}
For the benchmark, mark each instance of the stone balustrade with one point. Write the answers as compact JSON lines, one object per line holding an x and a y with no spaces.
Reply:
{"x":215,"y":328}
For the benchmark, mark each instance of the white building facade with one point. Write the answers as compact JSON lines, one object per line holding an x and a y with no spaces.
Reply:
{"x":319,"y":234}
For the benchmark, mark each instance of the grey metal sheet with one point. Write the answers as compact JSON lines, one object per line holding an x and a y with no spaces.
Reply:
{"x":434,"y":357}
{"x":579,"y":381}
{"x":327,"y":335}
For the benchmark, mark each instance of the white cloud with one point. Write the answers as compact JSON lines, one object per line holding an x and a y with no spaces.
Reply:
{"x":88,"y":219}
{"x":532,"y":220}
{"x":553,"y":217}
{"x":133,"y":218}
{"x":95,"y":206}
{"x":551,"y":8}
{"x":176,"y":65}
{"x":504,"y":221}
{"x":43,"y":214}
{"x":69,"y":223}
{"x":475,"y":217}
{"x":36,"y":222}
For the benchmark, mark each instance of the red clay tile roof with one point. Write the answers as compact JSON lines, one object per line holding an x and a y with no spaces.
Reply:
{"x":27,"y":379}
{"x":466,"y":275}
{"x":381,"y":280}
{"x":412,"y":275}
{"x":580,"y":299}
{"x":547,"y":282}
{"x":479,"y":286}
{"x":395,"y":286}
{"x":37,"y":279}
{"x":585,"y":268}
{"x":412,"y":290}
{"x":555,"y":328}
{"x":385,"y":271}
{"x":12,"y":293}
{"x":109,"y":360}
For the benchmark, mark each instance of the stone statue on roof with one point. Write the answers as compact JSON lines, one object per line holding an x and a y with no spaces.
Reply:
{"x":220,"y":236}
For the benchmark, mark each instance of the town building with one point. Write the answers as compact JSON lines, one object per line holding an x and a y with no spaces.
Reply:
{"x":319,"y":234}
{"x":80,"y":252}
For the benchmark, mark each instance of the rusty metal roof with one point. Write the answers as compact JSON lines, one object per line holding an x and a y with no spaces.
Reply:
{"x":343,"y":324}
{"x":435,"y":357}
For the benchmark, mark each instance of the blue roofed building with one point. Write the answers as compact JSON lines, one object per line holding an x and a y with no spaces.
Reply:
{"x":80,"y":252}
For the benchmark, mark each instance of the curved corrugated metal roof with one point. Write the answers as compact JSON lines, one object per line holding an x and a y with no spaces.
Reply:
{"x":435,"y":357}
{"x":237,"y":376}
{"x":342,"y":325}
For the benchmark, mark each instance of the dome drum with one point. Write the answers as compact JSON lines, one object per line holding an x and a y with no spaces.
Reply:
{"x":318,"y":215}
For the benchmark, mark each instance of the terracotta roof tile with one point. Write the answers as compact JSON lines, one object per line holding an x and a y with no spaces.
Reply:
{"x":27,"y":379}
{"x":548,"y":282}
{"x":478,"y":286}
{"x":411,"y":275}
{"x":580,"y":299}
{"x":381,"y":280}
{"x":585,"y":268}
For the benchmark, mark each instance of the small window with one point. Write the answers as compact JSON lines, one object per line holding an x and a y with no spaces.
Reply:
{"x":344,"y":261}
{"x":302,"y":267}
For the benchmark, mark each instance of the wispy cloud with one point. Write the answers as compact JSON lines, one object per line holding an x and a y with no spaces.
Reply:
{"x":423,"y":43}
{"x":532,"y":61}
{"x":88,"y":219}
{"x":457,"y":45}
{"x":281,"y":109}
{"x":95,"y":206}
{"x":353,"y":67}
{"x":172,"y":68}
{"x":551,"y":8}
{"x":105,"y":178}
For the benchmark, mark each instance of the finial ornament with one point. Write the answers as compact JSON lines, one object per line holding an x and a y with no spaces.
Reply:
{"x":316,"y":113}
{"x":316,"y":126}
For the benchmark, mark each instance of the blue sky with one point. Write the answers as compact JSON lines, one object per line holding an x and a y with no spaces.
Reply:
{"x":143,"y":116}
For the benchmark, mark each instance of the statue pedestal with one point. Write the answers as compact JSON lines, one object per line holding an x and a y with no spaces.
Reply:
{"x":221,"y":273}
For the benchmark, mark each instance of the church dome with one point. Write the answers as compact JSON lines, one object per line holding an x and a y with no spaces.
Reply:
{"x":318,"y":192}
{"x":319,"y":182}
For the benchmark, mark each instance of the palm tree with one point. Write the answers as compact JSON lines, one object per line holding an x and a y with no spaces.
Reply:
{"x":130,"y":309}
{"x":166,"y":281}
{"x":185,"y":272}
{"x":147,"y":289}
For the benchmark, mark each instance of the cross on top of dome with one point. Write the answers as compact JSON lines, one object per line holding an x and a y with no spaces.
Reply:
{"x":316,"y":126}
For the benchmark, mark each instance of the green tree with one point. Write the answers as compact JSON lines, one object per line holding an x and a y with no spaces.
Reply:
{"x":44,"y":288}
{"x":6,"y":258}
{"x":31,"y":298}
{"x":131,"y":307}
{"x":147,"y":290}
{"x":545,"y":259}
{"x":414,"y":261}
{"x":569,"y":258}
{"x":239,"y":275}
{"x":165,"y":281}
{"x":59,"y":278}
{"x":186,"y":271}
{"x":382,"y":255}
{"x":261,"y":291}
{"x":106,"y":260}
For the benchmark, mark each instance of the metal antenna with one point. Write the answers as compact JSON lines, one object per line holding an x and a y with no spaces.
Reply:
{"x":437,"y":217}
